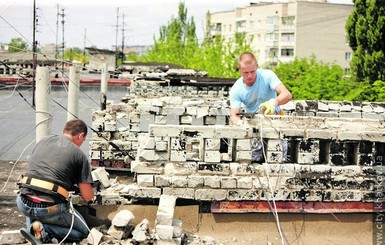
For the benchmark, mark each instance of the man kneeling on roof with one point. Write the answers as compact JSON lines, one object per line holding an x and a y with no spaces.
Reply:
{"x":56,"y":167}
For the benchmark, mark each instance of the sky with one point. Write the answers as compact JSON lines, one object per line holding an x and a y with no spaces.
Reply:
{"x":93,"y":22}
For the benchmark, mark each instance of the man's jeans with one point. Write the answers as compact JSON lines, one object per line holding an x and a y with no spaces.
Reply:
{"x":56,"y":219}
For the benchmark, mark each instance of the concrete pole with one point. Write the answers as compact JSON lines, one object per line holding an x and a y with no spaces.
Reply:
{"x":73,"y":93}
{"x":103,"y":87}
{"x":43,"y":97}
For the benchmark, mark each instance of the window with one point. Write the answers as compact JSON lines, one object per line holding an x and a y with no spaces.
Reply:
{"x":273,"y":20}
{"x":348,"y":56}
{"x":287,"y":37}
{"x":241,"y":23}
{"x":287,"y":52}
{"x":288,"y":20}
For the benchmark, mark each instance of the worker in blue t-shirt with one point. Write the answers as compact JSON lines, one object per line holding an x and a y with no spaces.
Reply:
{"x":255,"y":89}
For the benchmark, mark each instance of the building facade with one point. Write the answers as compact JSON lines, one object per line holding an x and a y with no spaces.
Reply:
{"x":283,"y":31}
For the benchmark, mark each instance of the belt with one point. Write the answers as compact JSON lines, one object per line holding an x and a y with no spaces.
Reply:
{"x":28,"y":181}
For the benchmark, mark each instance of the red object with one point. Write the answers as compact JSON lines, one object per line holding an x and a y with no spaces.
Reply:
{"x":296,"y":207}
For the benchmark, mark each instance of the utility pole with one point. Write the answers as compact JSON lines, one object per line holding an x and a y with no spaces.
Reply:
{"x":123,"y":39}
{"x":57,"y":33}
{"x":62,"y":46}
{"x":84,"y":49}
{"x":34,"y":57}
{"x":116,"y":38}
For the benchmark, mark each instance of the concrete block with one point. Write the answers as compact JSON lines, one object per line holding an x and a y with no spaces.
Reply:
{"x":142,"y":167}
{"x":244,"y":195}
{"x":151,"y":155}
{"x":172,"y":119}
{"x":212,"y":195}
{"x":212,"y":144}
{"x":186,"y":119}
{"x":274,"y":157}
{"x":146,"y":180}
{"x":123,"y":218}
{"x":243,"y":155}
{"x":242,"y":168}
{"x":110,"y":126}
{"x":11,"y":237}
{"x":243,"y":145}
{"x":178,"y":156}
{"x":164,"y":232}
{"x":162,"y":181}
{"x":212,"y":156}
{"x":165,"y":130}
{"x":213,"y":168}
{"x":186,"y":193}
{"x":221,"y":120}
{"x":134,"y":190}
{"x":145,"y":121}
{"x":245,"y":183}
{"x":195,"y":181}
{"x":146,"y":142}
{"x":94,"y":237}
{"x":180,"y":168}
{"x":100,"y":174}
{"x":209,"y":120}
{"x":228,"y":182}
{"x":161,"y":119}
{"x":179,"y":181}
{"x":161,"y":146}
{"x":173,"y":110}
{"x":212,"y":181}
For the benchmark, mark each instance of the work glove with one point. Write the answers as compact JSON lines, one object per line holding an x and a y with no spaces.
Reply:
{"x":270,"y":106}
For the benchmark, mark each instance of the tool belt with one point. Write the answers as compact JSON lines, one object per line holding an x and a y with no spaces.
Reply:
{"x":45,"y":185}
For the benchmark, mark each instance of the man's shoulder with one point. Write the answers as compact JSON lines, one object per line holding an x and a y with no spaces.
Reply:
{"x":265,"y":71}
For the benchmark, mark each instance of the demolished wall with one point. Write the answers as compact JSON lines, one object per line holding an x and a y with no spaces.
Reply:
{"x":177,"y":141}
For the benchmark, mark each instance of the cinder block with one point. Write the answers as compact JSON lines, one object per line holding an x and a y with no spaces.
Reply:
{"x":244,"y":195}
{"x":212,"y":144}
{"x":195,"y":181}
{"x":212,"y":181}
{"x":213,"y":168}
{"x":11,"y":237}
{"x":228,"y":182}
{"x":212,"y":195}
{"x":146,"y":180}
{"x":186,"y":193}
{"x":212,"y":156}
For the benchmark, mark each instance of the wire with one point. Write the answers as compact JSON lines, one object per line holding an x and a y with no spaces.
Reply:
{"x":72,"y":210}
{"x":275,"y":212}
{"x":14,"y":165}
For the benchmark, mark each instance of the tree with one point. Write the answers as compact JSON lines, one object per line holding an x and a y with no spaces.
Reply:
{"x":309,"y":79}
{"x":76,"y":54}
{"x":177,"y":41}
{"x":17,"y":45}
{"x":365,"y":28}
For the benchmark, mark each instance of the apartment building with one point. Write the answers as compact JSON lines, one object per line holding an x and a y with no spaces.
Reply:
{"x":283,"y":31}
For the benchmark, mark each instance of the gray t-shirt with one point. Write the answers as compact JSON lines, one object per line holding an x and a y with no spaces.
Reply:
{"x":57,"y":159}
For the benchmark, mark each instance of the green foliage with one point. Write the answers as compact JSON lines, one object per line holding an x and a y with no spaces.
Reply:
{"x":17,"y":45}
{"x":76,"y":54}
{"x":177,"y":41}
{"x":308,"y":79}
{"x":365,"y":28}
{"x":178,"y":44}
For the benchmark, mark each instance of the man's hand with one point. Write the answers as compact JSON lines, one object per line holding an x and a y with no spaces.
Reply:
{"x":270,"y":106}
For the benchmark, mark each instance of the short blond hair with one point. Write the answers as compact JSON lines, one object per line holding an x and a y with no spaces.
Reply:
{"x":246,"y":58}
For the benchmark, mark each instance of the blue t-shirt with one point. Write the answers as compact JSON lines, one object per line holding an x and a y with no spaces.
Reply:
{"x":251,"y":97}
